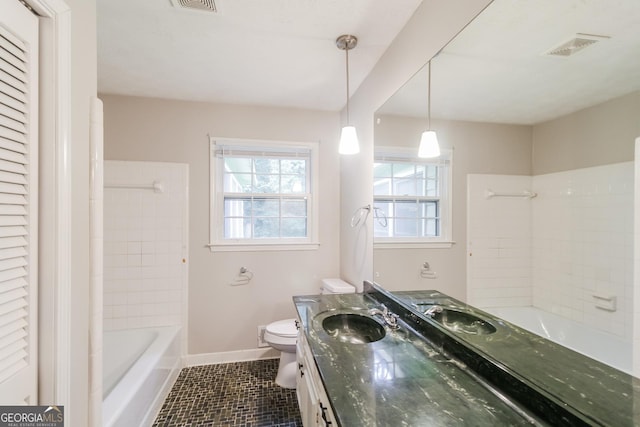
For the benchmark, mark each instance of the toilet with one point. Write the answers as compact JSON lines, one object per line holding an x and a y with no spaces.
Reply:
{"x":282,"y":335}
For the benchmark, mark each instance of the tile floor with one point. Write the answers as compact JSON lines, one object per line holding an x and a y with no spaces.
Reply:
{"x":232,"y":394}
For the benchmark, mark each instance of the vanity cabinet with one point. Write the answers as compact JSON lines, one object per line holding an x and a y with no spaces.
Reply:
{"x":312,"y":398}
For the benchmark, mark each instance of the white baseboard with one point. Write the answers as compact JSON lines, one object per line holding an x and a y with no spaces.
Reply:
{"x":231,"y":356}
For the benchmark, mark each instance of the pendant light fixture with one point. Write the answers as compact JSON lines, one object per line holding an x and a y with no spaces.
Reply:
{"x":348,"y":137}
{"x":429,"y":146}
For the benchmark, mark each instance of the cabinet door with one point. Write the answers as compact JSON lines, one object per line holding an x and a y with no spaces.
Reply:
{"x":313,"y":403}
{"x":312,"y":398}
{"x":305,"y":387}
{"x":302,"y":391}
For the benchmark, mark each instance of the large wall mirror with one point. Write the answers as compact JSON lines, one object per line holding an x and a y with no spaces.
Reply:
{"x":537,"y":107}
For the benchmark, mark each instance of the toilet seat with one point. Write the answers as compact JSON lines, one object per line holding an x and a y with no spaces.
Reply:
{"x":282,"y":335}
{"x":283,"y":328}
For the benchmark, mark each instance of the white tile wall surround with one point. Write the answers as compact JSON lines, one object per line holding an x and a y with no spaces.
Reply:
{"x":145,"y":245}
{"x":583,"y":244}
{"x":499,"y":242}
{"x":559,"y":249}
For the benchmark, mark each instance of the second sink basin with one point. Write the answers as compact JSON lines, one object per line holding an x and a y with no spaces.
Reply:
{"x":353,"y":328}
{"x":463,"y":322}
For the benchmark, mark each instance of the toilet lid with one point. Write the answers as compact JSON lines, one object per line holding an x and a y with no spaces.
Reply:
{"x":283,"y":328}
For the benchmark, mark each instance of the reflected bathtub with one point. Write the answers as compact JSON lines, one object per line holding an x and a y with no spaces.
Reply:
{"x":139,"y":368}
{"x":604,"y":347}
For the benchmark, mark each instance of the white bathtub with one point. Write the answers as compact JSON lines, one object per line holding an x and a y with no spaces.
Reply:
{"x":139,"y":368}
{"x":607,"y":348}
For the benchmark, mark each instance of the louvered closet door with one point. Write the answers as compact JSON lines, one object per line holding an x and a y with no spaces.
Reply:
{"x":18,"y":203}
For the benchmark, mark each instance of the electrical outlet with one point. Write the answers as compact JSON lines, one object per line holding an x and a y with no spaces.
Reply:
{"x":261,"y":341}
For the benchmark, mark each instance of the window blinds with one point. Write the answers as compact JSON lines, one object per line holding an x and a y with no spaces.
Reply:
{"x":221,"y":151}
{"x":14,"y":206}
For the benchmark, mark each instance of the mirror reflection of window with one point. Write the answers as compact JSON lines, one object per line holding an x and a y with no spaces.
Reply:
{"x":412,"y":194}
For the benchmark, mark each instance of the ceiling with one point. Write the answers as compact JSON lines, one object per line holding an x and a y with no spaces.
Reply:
{"x":496,"y":70}
{"x":252,"y":52}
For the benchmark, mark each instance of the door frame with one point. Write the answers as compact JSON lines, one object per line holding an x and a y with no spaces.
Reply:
{"x":54,"y":343}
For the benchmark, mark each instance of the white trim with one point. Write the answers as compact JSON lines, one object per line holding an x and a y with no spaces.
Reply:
{"x":399,"y":154}
{"x":445,"y":161}
{"x":57,"y":217}
{"x":218,"y":244}
{"x":261,"y":248}
{"x":230,"y":357}
{"x":413,"y":245}
{"x":184,"y":335}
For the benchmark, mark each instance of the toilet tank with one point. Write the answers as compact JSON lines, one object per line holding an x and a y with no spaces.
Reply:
{"x":336,"y":286}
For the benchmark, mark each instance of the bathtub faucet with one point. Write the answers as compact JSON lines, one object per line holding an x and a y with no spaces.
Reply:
{"x":391,"y":319}
{"x":431,"y":311}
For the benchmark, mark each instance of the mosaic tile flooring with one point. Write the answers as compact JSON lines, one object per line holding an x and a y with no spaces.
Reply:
{"x":232,"y":394}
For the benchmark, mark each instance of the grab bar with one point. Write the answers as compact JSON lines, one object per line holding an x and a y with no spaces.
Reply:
{"x":488,"y":193}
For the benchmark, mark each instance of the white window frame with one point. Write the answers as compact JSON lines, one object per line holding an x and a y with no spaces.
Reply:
{"x":217,"y":241}
{"x":445,"y":179}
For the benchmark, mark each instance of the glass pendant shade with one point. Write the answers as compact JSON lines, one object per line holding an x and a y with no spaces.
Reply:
{"x":349,"y":141}
{"x":429,"y":146}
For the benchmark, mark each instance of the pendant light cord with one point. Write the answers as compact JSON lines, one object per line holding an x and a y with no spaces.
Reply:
{"x":429,"y":99}
{"x":346,"y":51}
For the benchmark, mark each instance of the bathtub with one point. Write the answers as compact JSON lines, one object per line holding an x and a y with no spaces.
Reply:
{"x":139,"y":368}
{"x":604,"y":347}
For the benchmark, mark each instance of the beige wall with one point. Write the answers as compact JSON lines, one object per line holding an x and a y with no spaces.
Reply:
{"x":478,"y":148}
{"x":599,"y":135}
{"x":221,"y":317}
{"x":434,"y":23}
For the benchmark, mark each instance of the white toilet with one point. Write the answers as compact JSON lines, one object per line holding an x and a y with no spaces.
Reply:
{"x":282,"y":335}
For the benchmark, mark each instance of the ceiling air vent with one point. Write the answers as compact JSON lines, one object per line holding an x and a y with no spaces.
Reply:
{"x":200,"y":5}
{"x":576,"y":44}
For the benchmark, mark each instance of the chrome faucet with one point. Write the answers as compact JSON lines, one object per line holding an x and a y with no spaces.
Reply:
{"x":391,"y":319}
{"x":431,"y":311}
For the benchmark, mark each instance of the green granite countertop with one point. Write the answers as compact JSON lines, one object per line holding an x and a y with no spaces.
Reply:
{"x":400,"y":380}
{"x":604,"y":395}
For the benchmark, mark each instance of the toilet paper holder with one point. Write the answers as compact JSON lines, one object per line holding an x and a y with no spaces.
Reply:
{"x":426,"y":273}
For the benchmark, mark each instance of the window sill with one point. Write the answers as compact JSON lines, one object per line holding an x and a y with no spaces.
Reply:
{"x":262,"y":247}
{"x":413,"y":245}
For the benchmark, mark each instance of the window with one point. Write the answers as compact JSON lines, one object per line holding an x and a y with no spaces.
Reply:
{"x":263,"y":194}
{"x":413,"y":195}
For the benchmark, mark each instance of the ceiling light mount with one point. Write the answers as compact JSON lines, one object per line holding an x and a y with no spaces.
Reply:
{"x":346,"y":42}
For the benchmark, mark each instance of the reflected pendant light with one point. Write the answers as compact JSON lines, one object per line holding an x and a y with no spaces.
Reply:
{"x":429,"y":146}
{"x":348,"y":137}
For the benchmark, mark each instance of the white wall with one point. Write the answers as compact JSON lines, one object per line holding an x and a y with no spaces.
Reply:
{"x":636,"y":260}
{"x":81,"y":56}
{"x":224,"y":318}
{"x":83,"y":89}
{"x":145,"y":246}
{"x":434,"y":23}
